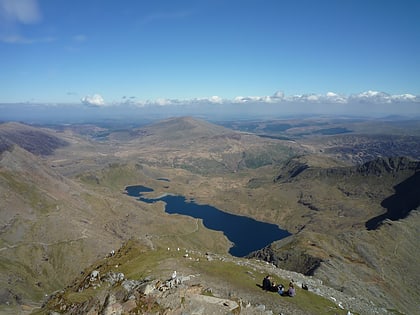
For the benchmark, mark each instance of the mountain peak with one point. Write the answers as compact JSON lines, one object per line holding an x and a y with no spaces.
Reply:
{"x":185,"y":128}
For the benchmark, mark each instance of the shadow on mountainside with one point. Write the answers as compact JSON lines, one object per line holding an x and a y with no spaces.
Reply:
{"x":399,"y":205}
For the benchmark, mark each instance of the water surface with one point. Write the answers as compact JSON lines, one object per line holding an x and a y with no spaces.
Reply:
{"x":245,"y":233}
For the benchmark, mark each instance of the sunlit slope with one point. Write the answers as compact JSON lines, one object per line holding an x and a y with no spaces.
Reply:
{"x":52,"y":226}
{"x":202,"y":147}
{"x":48,"y":228}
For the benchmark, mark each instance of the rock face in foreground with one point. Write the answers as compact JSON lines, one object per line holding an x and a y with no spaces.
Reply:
{"x":115,"y":285}
{"x":118,"y":295}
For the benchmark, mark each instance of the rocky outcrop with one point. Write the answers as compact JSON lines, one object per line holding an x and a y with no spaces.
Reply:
{"x":295,"y":260}
{"x":116,"y":295}
{"x":381,"y":166}
{"x":113,"y":293}
{"x":296,"y":168}
{"x":291,"y":169}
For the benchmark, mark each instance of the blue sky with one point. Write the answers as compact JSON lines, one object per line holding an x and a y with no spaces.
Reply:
{"x":109,"y":51}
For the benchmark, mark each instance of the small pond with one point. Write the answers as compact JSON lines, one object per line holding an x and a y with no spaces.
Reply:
{"x":245,"y":233}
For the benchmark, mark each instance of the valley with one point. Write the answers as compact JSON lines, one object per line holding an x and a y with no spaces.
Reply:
{"x":346,"y":189}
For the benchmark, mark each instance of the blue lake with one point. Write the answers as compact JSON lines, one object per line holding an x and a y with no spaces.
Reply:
{"x":245,"y":233}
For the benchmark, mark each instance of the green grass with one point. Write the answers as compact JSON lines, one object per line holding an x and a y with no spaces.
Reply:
{"x":38,"y":200}
{"x":245,"y":278}
{"x":234,"y":278}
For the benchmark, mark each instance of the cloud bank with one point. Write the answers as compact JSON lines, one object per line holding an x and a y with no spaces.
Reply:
{"x":369,"y":104}
{"x":373,"y":97}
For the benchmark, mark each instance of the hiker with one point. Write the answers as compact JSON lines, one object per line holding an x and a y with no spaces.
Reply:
{"x":291,"y":292}
{"x":266,"y":284}
{"x":280,"y":289}
{"x":273,"y":287}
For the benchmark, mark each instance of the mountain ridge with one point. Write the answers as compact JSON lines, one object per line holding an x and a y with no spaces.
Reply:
{"x":378,"y":167}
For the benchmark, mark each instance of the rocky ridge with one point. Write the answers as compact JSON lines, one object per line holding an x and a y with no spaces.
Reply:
{"x":104,"y":291}
{"x":378,"y":167}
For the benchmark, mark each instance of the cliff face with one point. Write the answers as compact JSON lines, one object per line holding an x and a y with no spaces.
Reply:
{"x":398,"y":173}
{"x":379,"y":167}
{"x":393,"y":165}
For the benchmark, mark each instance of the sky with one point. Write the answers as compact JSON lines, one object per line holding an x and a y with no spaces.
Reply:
{"x":111,"y":52}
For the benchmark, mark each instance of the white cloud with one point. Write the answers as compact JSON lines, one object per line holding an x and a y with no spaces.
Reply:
{"x":335,"y":98}
{"x":21,"y":11}
{"x":405,"y":98}
{"x":94,"y":100}
{"x":215,"y":99}
{"x":371,"y":97}
{"x":312,"y":98}
{"x":247,"y":99}
{"x":331,"y":98}
{"x":163,"y":102}
{"x":368,"y":97}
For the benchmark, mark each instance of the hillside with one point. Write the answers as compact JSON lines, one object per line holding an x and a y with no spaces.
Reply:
{"x":48,"y":228}
{"x":338,"y":206}
{"x":185,"y":129}
{"x":178,"y":143}
{"x":34,"y":140}
{"x":142,"y":278}
{"x":63,"y":210}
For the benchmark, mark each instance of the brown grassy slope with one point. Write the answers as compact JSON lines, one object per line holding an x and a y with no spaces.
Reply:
{"x":51,"y":226}
{"x":43,"y":217}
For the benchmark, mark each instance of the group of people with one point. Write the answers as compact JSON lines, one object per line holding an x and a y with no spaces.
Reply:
{"x":269,"y":285}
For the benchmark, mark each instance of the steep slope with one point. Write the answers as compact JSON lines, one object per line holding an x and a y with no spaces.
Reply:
{"x":381,"y":264}
{"x":144,"y":278}
{"x":43,"y":217}
{"x":50,"y":226}
{"x":334,"y":208}
{"x":35,"y":140}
